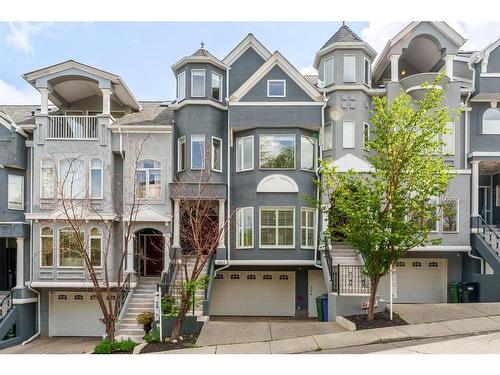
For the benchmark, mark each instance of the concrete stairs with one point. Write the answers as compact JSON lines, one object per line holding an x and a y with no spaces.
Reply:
{"x":142,"y":300}
{"x":344,"y":254}
{"x":200,"y":293}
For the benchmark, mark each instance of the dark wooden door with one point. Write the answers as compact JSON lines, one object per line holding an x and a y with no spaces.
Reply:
{"x":154,"y":255}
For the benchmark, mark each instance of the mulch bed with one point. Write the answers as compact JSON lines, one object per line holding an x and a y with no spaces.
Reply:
{"x":188,"y":341}
{"x":382,"y":319}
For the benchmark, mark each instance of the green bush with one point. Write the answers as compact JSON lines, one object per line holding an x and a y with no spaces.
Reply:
{"x":153,"y":336}
{"x":107,"y":346}
{"x":169,"y":307}
{"x":126,"y":345}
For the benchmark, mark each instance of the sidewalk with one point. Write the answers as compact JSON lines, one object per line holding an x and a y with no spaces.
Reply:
{"x":459,"y":327}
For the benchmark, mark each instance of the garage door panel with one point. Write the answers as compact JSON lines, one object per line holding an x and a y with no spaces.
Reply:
{"x":418,"y":281}
{"x":254,"y":294}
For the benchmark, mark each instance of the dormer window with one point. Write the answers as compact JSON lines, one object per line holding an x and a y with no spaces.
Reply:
{"x":217,"y":87}
{"x":276,"y":88}
{"x":198,"y":83}
{"x":328,"y":71}
{"x":181,"y":86}
{"x":349,"y":68}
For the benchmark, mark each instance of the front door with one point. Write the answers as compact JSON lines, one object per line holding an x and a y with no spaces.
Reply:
{"x":154,"y":254}
{"x":316,"y":287}
{"x":485,"y":199}
{"x":7,"y":268}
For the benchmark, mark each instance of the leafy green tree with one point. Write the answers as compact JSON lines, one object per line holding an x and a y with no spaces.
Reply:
{"x":388,"y":211}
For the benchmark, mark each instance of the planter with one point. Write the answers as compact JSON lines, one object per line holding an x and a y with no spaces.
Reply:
{"x":189,"y":325}
{"x":147,"y":327}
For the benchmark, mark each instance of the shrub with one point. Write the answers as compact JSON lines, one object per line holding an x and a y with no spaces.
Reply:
{"x":107,"y":346}
{"x":126,"y":345}
{"x":169,"y":307}
{"x":153,"y":336}
{"x":145,"y":317}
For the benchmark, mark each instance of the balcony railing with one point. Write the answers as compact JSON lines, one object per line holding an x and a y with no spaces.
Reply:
{"x":73,"y":127}
{"x":347,"y":279}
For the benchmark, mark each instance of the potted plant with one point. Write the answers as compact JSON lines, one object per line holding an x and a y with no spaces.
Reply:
{"x":146,"y":319}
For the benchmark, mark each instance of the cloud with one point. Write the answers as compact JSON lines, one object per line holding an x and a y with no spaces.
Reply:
{"x":308,"y":71}
{"x":21,"y":33}
{"x":13,"y":95}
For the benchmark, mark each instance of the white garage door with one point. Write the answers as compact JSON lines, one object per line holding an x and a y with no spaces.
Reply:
{"x":253,"y":293}
{"x":74,"y":314}
{"x":418,"y":281}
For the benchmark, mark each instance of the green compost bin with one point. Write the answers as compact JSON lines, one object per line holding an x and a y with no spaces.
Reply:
{"x":319,"y":308}
{"x":454,"y":292}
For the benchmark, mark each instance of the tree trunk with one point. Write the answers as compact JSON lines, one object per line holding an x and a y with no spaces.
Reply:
{"x":176,"y":331}
{"x":373,"y":294}
{"x":110,"y":329}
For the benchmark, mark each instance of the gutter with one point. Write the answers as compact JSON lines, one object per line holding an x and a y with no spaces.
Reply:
{"x":481,"y":260}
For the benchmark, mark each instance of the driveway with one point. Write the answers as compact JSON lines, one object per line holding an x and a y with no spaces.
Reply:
{"x":55,"y":345}
{"x":438,"y":312}
{"x":236,"y":330}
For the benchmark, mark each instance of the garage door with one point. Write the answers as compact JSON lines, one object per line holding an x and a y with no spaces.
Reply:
{"x":253,"y":294}
{"x":418,"y":281}
{"x":74,"y":314}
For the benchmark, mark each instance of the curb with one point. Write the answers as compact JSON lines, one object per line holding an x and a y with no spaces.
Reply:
{"x":138,"y":348}
{"x":345,"y":323}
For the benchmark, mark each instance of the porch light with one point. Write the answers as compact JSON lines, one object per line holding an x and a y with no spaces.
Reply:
{"x":403,"y":72}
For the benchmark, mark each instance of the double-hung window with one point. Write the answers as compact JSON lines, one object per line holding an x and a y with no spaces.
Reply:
{"x":308,"y":226}
{"x":69,"y":248}
{"x":96,"y":247}
{"x":72,"y":178}
{"x":47,"y":247}
{"x":328,"y":71}
{"x":307,"y":153}
{"x":181,"y":86}
{"x":348,"y":134}
{"x":367,"y":72}
{"x":216,"y":154}
{"x":15,"y":194}
{"x":244,"y":228}
{"x":96,"y":184}
{"x":276,"y":88}
{"x":328,"y":136}
{"x":349,"y":68}
{"x":47,"y":173}
{"x":244,"y":153}
{"x":149,"y":179}
{"x":216,"y":86}
{"x":277,"y":151}
{"x":198,"y":83}
{"x":197,"y":152}
{"x":449,"y":209}
{"x":181,"y":154}
{"x":277,"y":227}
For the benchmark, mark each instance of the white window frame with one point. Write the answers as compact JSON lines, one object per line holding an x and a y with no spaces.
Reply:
{"x":493,"y":130}
{"x":457,"y":213}
{"x":353,"y":66}
{"x":449,"y":147}
{"x":147,"y":170}
{"x":344,"y":143}
{"x":308,"y":227}
{"x":181,"y":89}
{"x":43,"y":170}
{"x":204,"y":151}
{"x":94,"y":237}
{"x":366,"y":128}
{"x":212,"y":156}
{"x":367,"y":74}
{"x":327,"y":82}
{"x":276,"y":209}
{"x":240,"y":226}
{"x":294,"y":152}
{"x":315,"y":153}
{"x":219,"y":99}
{"x":239,"y":168}
{"x":102,"y":178}
{"x":9,"y":206}
{"x":204,"y":83}
{"x":284,"y":88}
{"x":58,"y":252}
{"x":62,"y":180}
{"x":330,"y":145}
{"x":181,"y":140}
{"x":42,"y":236}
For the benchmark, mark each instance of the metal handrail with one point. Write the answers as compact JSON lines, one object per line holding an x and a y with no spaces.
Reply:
{"x":125,"y":290}
{"x":349,"y":279}
{"x":6,"y":305}
{"x":491,"y":237}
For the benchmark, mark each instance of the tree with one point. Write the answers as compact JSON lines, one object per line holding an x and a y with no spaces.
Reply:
{"x":388,"y":211}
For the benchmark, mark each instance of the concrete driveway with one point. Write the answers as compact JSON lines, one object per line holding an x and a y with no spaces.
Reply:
{"x":236,"y":330}
{"x":438,"y":312}
{"x":55,"y":345}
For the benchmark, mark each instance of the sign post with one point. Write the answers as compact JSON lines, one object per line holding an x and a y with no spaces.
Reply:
{"x":393,"y":288}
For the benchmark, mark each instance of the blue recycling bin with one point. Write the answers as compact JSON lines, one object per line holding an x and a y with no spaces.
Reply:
{"x":324,"y":301}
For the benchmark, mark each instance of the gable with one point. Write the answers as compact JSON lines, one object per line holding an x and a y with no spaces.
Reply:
{"x":294,"y":93}
{"x":351,"y":162}
{"x":494,"y":61}
{"x":243,"y":68}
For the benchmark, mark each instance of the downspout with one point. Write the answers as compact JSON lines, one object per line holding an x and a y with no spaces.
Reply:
{"x":466,"y":142}
{"x":318,"y":193}
{"x":481,"y":260}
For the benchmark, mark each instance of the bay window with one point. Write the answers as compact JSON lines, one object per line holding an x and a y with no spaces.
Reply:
{"x":72,"y":178}
{"x":366,"y":135}
{"x":217,"y":87}
{"x":15,"y":192}
{"x":197,"y":151}
{"x":69,"y":248}
{"x":367,"y":73}
{"x":244,"y":227}
{"x":148,"y":179}
{"x":198,"y":83}
{"x":47,"y":174}
{"x":277,"y":151}
{"x":244,"y":154}
{"x":308,"y":226}
{"x":308,"y":153}
{"x":277,"y":227}
{"x":349,"y":68}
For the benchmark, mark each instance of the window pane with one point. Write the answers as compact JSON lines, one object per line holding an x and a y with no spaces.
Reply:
{"x":181,"y":86}
{"x":267,"y":218}
{"x":95,"y":251}
{"x":198,"y":83}
{"x":275,"y":88}
{"x":96,"y":179}
{"x":15,"y":192}
{"x":491,"y":121}
{"x":216,"y":154}
{"x":47,"y":248}
{"x":329,"y":69}
{"x":307,"y":153}
{"x":69,"y":254}
{"x":285,"y":218}
{"x":367,"y":72}
{"x":268,"y":236}
{"x":197,"y":152}
{"x":247,"y":153}
{"x":277,"y":152}
{"x":450,"y":215}
{"x":72,"y":177}
{"x":181,"y":154}
{"x":285,"y":236}
{"x":349,"y":68}
{"x":141,"y":184}
{"x":47,"y":179}
{"x":327,"y":136}
{"x":248,"y":227}
{"x":154,"y":184}
{"x":216,"y":86}
{"x":348,"y":134}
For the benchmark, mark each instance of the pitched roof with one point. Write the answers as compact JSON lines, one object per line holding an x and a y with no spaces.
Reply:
{"x":199,"y":56}
{"x":152,"y":113}
{"x":21,"y":114}
{"x":343,"y":34}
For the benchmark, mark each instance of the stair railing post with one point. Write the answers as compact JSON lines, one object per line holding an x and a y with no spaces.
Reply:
{"x":338,"y":279}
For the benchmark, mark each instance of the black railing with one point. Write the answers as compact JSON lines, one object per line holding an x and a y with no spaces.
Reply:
{"x":5,"y":305}
{"x":125,"y":290}
{"x":490,"y":236}
{"x":349,"y":280}
{"x":167,"y":279}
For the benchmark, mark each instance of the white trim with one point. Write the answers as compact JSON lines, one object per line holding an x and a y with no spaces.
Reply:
{"x":276,"y":209}
{"x":57,"y":215}
{"x":219,"y":99}
{"x":250,"y":41}
{"x":345,"y":65}
{"x":314,"y":154}
{"x":346,"y":145}
{"x":461,"y":171}
{"x":363,"y":46}
{"x":90,"y":178}
{"x":277,"y":183}
{"x":23,"y":301}
{"x":204,"y":151}
{"x":183,"y":75}
{"x":276,"y":81}
{"x":53,"y":177}
{"x":198,"y":59}
{"x":294,"y":151}
{"x":213,"y":154}
{"x":415,"y":88}
{"x":239,"y":215}
{"x":483,"y":153}
{"x":101,"y":239}
{"x":150,"y":129}
{"x":74,"y":284}
{"x":148,"y":171}
{"x":459,"y":248}
{"x":489,"y":75}
{"x":242,"y":153}
{"x":330,"y":146}
{"x":328,"y":83}
{"x":351,"y":162}
{"x":175,"y":106}
{"x":41,"y":236}
{"x":204,"y":83}
{"x":273,"y":262}
{"x":58,"y":248}
{"x":365,"y":81}
{"x":181,"y":140}
{"x":289,"y":104}
{"x":22,"y":192}
{"x":313,"y":227}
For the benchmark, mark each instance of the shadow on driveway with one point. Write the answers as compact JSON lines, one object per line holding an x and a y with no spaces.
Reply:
{"x":55,"y":345}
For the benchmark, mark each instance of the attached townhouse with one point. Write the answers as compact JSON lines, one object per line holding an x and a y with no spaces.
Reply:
{"x":252,"y":129}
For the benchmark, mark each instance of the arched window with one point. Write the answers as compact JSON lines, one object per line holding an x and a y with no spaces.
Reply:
{"x":148,"y":179}
{"x":491,"y":121}
{"x":47,"y":245}
{"x":96,"y":247}
{"x":72,"y":178}
{"x":96,"y":179}
{"x":69,"y":248}
{"x":47,"y":178}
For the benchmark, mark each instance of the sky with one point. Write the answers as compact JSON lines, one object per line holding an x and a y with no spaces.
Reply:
{"x":142,"y":53}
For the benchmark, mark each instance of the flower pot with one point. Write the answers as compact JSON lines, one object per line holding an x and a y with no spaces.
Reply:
{"x":147,"y":327}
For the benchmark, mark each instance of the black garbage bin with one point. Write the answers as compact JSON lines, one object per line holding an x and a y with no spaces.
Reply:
{"x":470,"y":292}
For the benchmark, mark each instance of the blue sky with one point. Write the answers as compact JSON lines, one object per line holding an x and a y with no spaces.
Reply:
{"x":142,"y":53}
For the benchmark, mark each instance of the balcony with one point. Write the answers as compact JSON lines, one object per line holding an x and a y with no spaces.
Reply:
{"x":73,"y":127}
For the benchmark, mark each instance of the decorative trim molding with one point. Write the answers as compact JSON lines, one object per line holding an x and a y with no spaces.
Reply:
{"x":175,"y":105}
{"x":277,"y":183}
{"x":242,"y":104}
{"x":250,"y":41}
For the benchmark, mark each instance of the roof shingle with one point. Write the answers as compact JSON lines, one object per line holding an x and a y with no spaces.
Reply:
{"x":343,"y":34}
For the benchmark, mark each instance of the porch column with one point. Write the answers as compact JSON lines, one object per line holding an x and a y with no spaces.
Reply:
{"x":20,"y":263}
{"x":448,"y":59}
{"x":177,"y":219}
{"x":222,"y":222}
{"x":394,"y":67}
{"x":44,"y":106}
{"x":106,"y":101}
{"x":130,"y":254}
{"x":475,"y":188}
